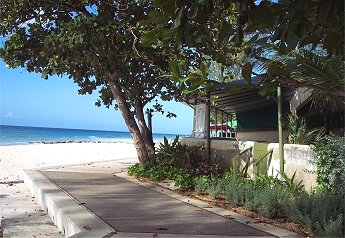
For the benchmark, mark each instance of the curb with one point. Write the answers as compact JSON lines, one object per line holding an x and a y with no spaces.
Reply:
{"x":71,"y":218}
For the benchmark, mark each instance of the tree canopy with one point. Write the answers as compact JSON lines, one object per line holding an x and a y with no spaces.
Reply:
{"x":130,"y":50}
{"x":292,"y":42}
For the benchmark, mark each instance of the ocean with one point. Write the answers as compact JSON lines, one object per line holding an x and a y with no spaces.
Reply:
{"x":17,"y":135}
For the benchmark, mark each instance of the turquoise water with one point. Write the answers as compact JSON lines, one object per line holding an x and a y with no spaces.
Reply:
{"x":16,"y":135}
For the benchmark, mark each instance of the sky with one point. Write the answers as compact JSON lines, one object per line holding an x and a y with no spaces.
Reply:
{"x":28,"y":100}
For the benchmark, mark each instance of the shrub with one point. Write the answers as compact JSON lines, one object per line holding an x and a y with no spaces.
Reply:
{"x":235,"y":189}
{"x":272,"y":202}
{"x":201,"y":184}
{"x":322,"y":213}
{"x":184,"y":180}
{"x":215,"y":187}
{"x":177,"y":162}
{"x":331,"y":164}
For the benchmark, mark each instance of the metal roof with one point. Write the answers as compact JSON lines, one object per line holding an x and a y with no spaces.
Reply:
{"x":245,"y":99}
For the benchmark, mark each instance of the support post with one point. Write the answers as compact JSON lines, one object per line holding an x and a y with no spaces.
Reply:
{"x":280,"y":129}
{"x":208,"y":115}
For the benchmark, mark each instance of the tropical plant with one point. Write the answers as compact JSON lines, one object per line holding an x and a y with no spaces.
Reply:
{"x":174,"y":153}
{"x":327,"y":72}
{"x":178,"y":162}
{"x":299,"y":133}
{"x":291,"y":185}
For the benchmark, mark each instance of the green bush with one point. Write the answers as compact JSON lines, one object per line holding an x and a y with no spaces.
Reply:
{"x":272,"y":202}
{"x":177,"y":162}
{"x":201,"y":184}
{"x":330,"y":164}
{"x":184,"y":180}
{"x":322,"y":213}
{"x":215,"y":187}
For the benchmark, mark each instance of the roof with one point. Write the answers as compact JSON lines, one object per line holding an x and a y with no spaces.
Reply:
{"x":238,"y":96}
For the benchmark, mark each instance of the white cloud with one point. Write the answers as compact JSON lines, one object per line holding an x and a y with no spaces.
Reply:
{"x":9,"y":115}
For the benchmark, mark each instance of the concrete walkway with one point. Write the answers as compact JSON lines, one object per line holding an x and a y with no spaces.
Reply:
{"x":100,"y":200}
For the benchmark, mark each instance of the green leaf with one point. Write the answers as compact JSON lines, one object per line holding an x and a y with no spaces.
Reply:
{"x":157,"y":17}
{"x":247,"y":72}
{"x":196,"y":80}
{"x":168,"y":34}
{"x":203,"y":70}
{"x":292,"y":39}
{"x":262,"y":40}
{"x":268,"y":88}
{"x":236,"y":88}
{"x":178,"y":19}
{"x":44,"y":75}
{"x":226,"y":31}
{"x":174,"y":68}
{"x":149,"y":37}
{"x":168,"y":6}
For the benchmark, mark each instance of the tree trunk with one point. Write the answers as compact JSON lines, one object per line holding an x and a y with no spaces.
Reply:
{"x":145,"y":131}
{"x":138,"y":140}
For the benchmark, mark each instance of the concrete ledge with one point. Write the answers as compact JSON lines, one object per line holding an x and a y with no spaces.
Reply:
{"x":71,"y":218}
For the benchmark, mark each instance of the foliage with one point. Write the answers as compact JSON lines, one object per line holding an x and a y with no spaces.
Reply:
{"x":282,"y":38}
{"x":292,"y":187}
{"x":201,"y":184}
{"x":274,"y":197}
{"x":174,"y":153}
{"x":95,"y":43}
{"x":323,"y":213}
{"x":215,"y":187}
{"x":176,"y":162}
{"x":299,"y":133}
{"x":280,"y":180}
{"x":330,"y":164}
{"x":184,"y":180}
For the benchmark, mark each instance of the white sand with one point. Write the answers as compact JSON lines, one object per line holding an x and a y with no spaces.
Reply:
{"x":13,"y":159}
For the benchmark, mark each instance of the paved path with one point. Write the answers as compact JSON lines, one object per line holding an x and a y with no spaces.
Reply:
{"x":132,"y":208}
{"x":101,"y":200}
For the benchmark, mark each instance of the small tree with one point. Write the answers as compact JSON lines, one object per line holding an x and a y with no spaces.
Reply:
{"x":96,"y":44}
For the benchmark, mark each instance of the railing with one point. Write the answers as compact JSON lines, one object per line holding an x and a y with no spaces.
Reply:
{"x":220,"y":127}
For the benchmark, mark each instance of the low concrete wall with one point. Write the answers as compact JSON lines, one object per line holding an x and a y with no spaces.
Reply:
{"x":222,"y":151}
{"x":268,"y":136}
{"x":297,"y":158}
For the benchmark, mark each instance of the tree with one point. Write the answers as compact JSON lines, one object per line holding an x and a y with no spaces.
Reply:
{"x":263,"y":35}
{"x":95,"y":43}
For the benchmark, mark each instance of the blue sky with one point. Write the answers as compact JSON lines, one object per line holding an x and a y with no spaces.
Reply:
{"x":28,"y":100}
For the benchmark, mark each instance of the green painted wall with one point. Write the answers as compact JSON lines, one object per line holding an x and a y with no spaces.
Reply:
{"x":261,"y":118}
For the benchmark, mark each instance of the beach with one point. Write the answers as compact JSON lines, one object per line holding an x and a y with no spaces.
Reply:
{"x":15,"y":158}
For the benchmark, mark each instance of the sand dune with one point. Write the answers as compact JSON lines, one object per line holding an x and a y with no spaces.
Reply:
{"x":13,"y":159}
